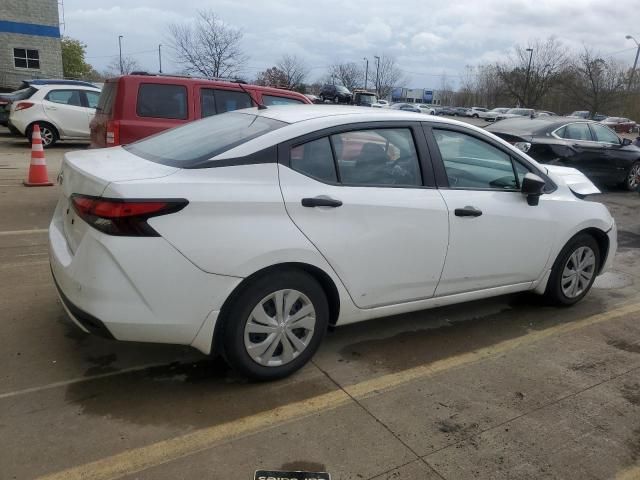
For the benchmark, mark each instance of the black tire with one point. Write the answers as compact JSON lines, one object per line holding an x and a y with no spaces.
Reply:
{"x":632,"y":182}
{"x":48,"y":133}
{"x":237,"y":315}
{"x":554,"y":292}
{"x":475,"y":115}
{"x":336,"y":99}
{"x":322,"y":98}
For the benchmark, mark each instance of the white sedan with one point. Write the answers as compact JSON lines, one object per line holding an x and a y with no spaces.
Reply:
{"x":63,"y":112}
{"x":249,"y":233}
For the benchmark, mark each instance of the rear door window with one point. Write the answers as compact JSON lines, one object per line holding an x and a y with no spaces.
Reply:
{"x":269,"y":100}
{"x":315,"y":159}
{"x":92,"y":99}
{"x":229,"y":100}
{"x":162,"y":101}
{"x":65,"y":97}
{"x":577,"y":131}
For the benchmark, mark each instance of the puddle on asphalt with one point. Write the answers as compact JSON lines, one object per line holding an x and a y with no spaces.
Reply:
{"x":407,"y":349}
{"x":628,"y":239}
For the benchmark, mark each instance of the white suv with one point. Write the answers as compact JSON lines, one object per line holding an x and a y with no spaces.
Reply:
{"x":63,"y":112}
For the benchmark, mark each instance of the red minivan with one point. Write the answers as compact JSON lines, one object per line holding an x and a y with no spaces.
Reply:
{"x":132,"y":107}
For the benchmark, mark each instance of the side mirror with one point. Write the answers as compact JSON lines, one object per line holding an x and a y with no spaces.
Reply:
{"x":626,"y":142}
{"x":532,"y":187}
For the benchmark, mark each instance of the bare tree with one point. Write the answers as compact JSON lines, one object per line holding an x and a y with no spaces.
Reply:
{"x":272,"y":77}
{"x":351,"y":75}
{"x":531,"y":72}
{"x":294,"y":69}
{"x":129,"y":64}
{"x":446,"y":90}
{"x":207,"y":46}
{"x":389,"y":76}
{"x":596,"y":82}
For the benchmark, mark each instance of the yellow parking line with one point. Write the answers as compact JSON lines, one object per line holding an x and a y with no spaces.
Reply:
{"x":632,"y":473}
{"x":23,"y":232}
{"x":165,"y":451}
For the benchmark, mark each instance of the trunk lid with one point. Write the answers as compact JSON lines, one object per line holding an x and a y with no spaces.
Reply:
{"x":89,"y":172}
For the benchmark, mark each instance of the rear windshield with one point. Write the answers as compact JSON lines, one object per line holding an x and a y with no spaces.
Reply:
{"x":192,"y":145}
{"x":22,"y":94}
{"x":107,"y":98}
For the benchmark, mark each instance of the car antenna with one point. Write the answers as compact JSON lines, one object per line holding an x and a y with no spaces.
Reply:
{"x":261,"y":106}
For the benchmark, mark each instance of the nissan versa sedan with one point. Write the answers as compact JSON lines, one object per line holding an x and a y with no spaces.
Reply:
{"x":585,"y":145}
{"x":251,"y":232}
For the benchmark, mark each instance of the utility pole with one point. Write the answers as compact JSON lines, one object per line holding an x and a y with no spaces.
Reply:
{"x":160,"y":56}
{"x":366,"y":72}
{"x":120,"y":48}
{"x":635,"y":63}
{"x":377,"y":75}
{"x":526,"y":83}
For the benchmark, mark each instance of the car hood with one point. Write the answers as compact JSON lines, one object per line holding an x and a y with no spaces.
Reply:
{"x":577,"y":182}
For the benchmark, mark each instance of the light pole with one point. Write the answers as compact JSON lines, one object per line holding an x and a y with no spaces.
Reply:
{"x":635,"y":63}
{"x":160,"y":56}
{"x":526,"y":83}
{"x":120,"y":48}
{"x":377,"y":74}
{"x":366,"y":72}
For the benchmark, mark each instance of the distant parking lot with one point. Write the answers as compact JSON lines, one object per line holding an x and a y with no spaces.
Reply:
{"x":499,"y":388}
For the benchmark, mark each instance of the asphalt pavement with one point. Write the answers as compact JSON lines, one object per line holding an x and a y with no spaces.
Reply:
{"x":505,"y":388}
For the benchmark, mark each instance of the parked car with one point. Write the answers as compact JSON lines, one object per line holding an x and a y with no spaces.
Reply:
{"x":586,"y":145}
{"x":407,"y":107}
{"x":25,"y":90}
{"x":364,"y":98}
{"x":445,"y":110}
{"x":493,"y":114}
{"x":63,"y":112}
{"x":335,"y":94}
{"x":428,"y":109}
{"x":381,"y":104}
{"x":313,"y":98}
{"x":598,"y":117}
{"x":620,"y":124}
{"x":516,"y":112}
{"x":585,"y":114}
{"x":156,"y":231}
{"x":476,"y":112}
{"x":460,"y":112}
{"x":132,"y":107}
{"x":545,"y":113}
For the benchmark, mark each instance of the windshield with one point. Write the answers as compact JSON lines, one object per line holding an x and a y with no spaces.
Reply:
{"x":21,"y":94}
{"x":188,"y":146}
{"x":367,"y":98}
{"x":519,"y":111}
{"x":342,"y":89}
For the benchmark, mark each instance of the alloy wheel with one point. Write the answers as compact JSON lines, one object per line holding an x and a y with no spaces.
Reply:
{"x":47,"y":136}
{"x":279,"y":328}
{"x":633,"y":180}
{"x":578,"y":272}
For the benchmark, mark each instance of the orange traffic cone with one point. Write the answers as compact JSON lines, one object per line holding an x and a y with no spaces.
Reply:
{"x":38,"y":176}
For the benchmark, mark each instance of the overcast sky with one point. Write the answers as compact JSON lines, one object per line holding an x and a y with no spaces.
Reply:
{"x":426,"y":37}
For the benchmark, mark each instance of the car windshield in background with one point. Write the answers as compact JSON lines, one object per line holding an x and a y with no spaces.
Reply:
{"x":368,"y":99}
{"x":192,"y":144}
{"x":342,"y":89}
{"x":22,"y":94}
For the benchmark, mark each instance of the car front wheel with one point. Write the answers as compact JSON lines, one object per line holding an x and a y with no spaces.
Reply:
{"x":275,"y":325}
{"x":633,"y":177}
{"x":574,"y":271}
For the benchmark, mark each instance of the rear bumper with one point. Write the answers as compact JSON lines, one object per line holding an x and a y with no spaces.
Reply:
{"x":134,"y":289}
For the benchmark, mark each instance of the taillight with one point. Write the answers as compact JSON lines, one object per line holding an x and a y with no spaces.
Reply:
{"x":124,"y":217}
{"x":24,"y":105}
{"x":113,"y":133}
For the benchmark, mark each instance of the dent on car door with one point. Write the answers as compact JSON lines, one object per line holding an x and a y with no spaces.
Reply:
{"x":496,"y":238}
{"x":360,"y":197}
{"x":583,"y":152}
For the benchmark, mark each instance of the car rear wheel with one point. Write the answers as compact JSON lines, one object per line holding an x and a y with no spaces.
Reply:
{"x":336,"y":99}
{"x":574,"y":271}
{"x":322,"y":98}
{"x":48,"y":133}
{"x":475,"y":115}
{"x":633,"y":177}
{"x":275,"y":325}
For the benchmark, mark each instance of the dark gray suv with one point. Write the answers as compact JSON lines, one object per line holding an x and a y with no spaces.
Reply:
{"x":335,"y":93}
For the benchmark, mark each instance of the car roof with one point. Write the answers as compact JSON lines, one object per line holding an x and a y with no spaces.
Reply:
{"x":65,"y":86}
{"x":56,"y":81}
{"x":532,"y":126}
{"x":304,"y":119}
